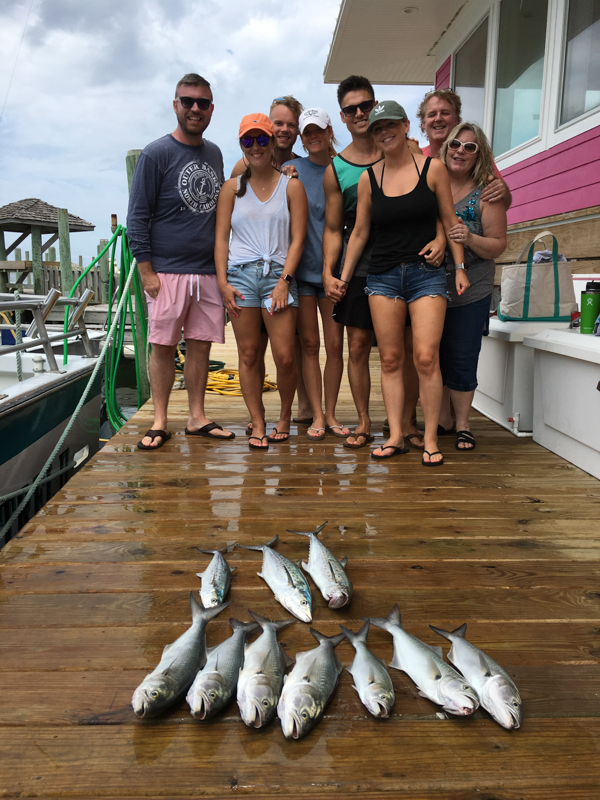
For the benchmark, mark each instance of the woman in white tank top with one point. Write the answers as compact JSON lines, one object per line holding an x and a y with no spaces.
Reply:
{"x":266,"y":215}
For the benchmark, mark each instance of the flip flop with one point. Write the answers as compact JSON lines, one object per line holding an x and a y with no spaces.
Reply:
{"x":319,"y":437}
{"x":367,"y":440}
{"x":432,"y":463}
{"x":302,"y":420}
{"x":419,"y":437}
{"x":285,"y":434}
{"x":205,"y":431}
{"x":165,"y":436}
{"x":441,"y":431}
{"x":258,"y":446}
{"x":330,"y":429}
{"x":396,"y":451}
{"x":465,"y":437}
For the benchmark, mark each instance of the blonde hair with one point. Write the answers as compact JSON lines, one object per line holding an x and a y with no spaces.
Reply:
{"x":295,"y":106}
{"x":483,"y":169}
{"x":443,"y":94}
{"x":332,"y":141}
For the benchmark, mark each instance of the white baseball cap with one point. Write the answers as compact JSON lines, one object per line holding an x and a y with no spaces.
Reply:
{"x":314,"y":116}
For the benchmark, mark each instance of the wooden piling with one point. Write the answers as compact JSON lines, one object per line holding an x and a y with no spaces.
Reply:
{"x":3,"y":275}
{"x":36,"y":259}
{"x":64,"y":249}
{"x":103,"y":271}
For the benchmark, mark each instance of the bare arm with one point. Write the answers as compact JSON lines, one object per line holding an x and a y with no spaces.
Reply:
{"x":360,"y":233}
{"x":238,"y":169}
{"x":332,"y":236}
{"x":150,"y":280}
{"x":493,"y":242}
{"x":497,"y":191}
{"x":439,"y":182}
{"x":298,"y":206}
{"x":225,"y":205}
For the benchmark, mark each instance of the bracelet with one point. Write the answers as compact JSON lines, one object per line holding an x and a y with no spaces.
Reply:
{"x":343,"y":281}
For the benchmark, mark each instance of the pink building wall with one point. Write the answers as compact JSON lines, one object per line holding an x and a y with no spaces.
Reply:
{"x":562,"y":179}
{"x":442,"y":76}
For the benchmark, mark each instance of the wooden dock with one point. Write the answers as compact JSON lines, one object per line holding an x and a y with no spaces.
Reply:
{"x":505,"y":538}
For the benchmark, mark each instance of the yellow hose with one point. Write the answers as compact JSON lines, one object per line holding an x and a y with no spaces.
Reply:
{"x":227,"y":381}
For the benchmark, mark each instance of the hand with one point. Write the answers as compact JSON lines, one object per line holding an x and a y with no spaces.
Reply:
{"x":290,"y":171}
{"x":460,"y":233}
{"x":279,"y":296}
{"x":229,"y":294}
{"x":461,"y":281}
{"x":434,"y":252}
{"x":150,"y":280}
{"x":413,"y":145}
{"x":334,"y":288}
{"x":495,"y":191}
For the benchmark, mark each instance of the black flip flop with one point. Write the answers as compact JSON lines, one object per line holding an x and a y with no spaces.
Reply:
{"x":465,"y":437}
{"x":396,"y":451}
{"x":275,"y":432}
{"x":205,"y":431}
{"x":165,"y":436}
{"x":367,"y":439}
{"x":432,"y":463}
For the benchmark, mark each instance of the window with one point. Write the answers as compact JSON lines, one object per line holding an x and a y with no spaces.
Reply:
{"x":581,"y":84}
{"x":521,"y":49}
{"x":469,"y":74}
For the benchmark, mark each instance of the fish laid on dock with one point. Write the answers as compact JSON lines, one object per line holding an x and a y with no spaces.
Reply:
{"x":261,"y":679}
{"x":285,"y":579}
{"x":371,"y":678}
{"x":216,"y":578}
{"x":309,"y":686}
{"x":424,"y":664}
{"x":178,"y":665}
{"x":214,"y":686}
{"x":496,"y":689}
{"x":326,"y":571}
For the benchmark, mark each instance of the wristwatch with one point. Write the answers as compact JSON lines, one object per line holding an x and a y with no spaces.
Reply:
{"x":286,"y":278}
{"x":459,"y":266}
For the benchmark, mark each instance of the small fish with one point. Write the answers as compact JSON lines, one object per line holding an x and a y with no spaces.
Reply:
{"x":326,"y":571}
{"x":425,"y":665}
{"x":216,"y":577}
{"x":309,"y":686}
{"x":214,"y":685}
{"x":261,"y":678}
{"x":285,"y":579}
{"x":178,"y":665}
{"x":371,"y":678}
{"x":496,"y":689}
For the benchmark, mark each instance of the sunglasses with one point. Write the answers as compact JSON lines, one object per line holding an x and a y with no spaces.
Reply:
{"x":365,"y":107}
{"x":202,"y":103}
{"x":262,"y":140}
{"x":469,"y":147}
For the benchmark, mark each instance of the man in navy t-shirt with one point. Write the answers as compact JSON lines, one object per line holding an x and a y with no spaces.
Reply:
{"x":171,"y":228}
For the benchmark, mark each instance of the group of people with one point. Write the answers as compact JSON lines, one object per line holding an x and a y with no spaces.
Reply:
{"x":383,"y":239}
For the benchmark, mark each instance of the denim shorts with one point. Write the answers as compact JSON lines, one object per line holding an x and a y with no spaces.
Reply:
{"x":461,"y":342}
{"x":408,"y":282}
{"x":310,"y":289}
{"x":256,"y":281}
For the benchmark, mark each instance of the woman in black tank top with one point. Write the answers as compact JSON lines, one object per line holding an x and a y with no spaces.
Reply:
{"x":399,"y":201}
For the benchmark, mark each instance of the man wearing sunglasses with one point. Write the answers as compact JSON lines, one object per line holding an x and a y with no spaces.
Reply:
{"x":171,"y":228}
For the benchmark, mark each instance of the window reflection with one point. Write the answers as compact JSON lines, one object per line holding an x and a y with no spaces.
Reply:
{"x":521,"y":49}
{"x":469,"y":74}
{"x":581,"y":87}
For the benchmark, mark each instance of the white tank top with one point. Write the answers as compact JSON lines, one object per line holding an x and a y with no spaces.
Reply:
{"x":260,"y":230}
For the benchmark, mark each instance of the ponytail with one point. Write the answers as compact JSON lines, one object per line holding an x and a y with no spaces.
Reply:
{"x":244,"y":178}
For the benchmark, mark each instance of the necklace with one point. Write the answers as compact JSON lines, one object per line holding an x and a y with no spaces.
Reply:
{"x":460,"y":188}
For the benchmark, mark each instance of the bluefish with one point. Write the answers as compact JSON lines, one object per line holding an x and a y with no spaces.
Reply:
{"x":326,"y":571}
{"x":371,"y":678}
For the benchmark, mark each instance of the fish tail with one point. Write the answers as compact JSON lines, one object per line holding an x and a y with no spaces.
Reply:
{"x":206,"y":614}
{"x":320,"y":637}
{"x":259,"y":546}
{"x":310,"y":533}
{"x":247,"y":627}
{"x":393,"y":619}
{"x":278,"y":624}
{"x":355,"y":638}
{"x":460,"y":631}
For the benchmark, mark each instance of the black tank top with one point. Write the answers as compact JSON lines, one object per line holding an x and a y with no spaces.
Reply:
{"x":401,"y":225}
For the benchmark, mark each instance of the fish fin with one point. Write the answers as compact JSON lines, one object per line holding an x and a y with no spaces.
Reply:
{"x":289,"y":575}
{"x":231,"y":546}
{"x":344,"y":561}
{"x":485,"y":668}
{"x":305,"y":566}
{"x":381,"y":660}
{"x":310,"y":533}
{"x":320,"y":637}
{"x":206,"y":613}
{"x":421,"y":693}
{"x":166,"y":648}
{"x":279,"y":624}
{"x":298,"y":562}
{"x":393,"y":619}
{"x":270,"y":543}
{"x":460,"y":631}
{"x":396,"y":663}
{"x":434,"y":649}
{"x":232,"y":569}
{"x":433,"y":671}
{"x":441,"y":632}
{"x":354,"y":687}
{"x":354,"y":638}
{"x":212,"y":552}
{"x":200,"y":575}
{"x":260,"y":575}
{"x":287,"y":660}
{"x":248,"y":627}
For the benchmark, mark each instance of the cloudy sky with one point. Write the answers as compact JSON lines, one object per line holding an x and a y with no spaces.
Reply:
{"x":84,"y":81}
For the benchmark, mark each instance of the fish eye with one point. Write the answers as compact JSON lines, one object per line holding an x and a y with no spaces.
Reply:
{"x":154,"y":694}
{"x":266,"y":703}
{"x":515,"y":704}
{"x":212,"y":695}
{"x":304,"y":715}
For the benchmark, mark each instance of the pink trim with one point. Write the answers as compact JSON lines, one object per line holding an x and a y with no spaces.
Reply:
{"x":562,"y":179}
{"x":442,"y":76}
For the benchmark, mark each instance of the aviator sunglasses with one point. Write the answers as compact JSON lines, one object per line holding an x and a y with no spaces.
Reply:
{"x":262,"y":140}
{"x":469,"y":147}
{"x":202,"y":103}
{"x":365,"y":107}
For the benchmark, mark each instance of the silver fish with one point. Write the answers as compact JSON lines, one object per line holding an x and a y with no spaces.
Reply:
{"x":496,"y":689}
{"x":216,"y":578}
{"x":261,"y":678}
{"x":178,"y":665}
{"x":326,"y":571}
{"x":371,"y":678}
{"x":285,"y":579}
{"x":425,"y":665}
{"x":309,"y":686}
{"x":214,"y":685}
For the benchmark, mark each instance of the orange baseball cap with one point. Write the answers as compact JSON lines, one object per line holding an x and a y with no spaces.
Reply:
{"x":256,"y":122}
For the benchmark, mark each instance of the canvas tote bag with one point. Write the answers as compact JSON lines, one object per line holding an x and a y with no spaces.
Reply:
{"x":537,"y":292}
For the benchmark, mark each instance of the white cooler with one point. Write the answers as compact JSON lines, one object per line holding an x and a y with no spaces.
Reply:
{"x":566,"y":417}
{"x":505,"y":374}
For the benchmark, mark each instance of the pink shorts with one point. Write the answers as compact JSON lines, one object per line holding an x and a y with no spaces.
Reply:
{"x":191,"y":302}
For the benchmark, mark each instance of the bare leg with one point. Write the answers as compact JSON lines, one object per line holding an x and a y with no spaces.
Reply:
{"x":264,"y":341}
{"x":333,"y":335}
{"x":195,"y":371}
{"x":248,"y":337}
{"x":308,"y":328}
{"x":162,"y":377}
{"x":359,"y":349}
{"x":282,"y":327}
{"x":427,"y":317}
{"x":304,"y":405}
{"x":389,"y":319}
{"x":462,"y":405}
{"x":446,"y":411}
{"x":411,"y":391}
